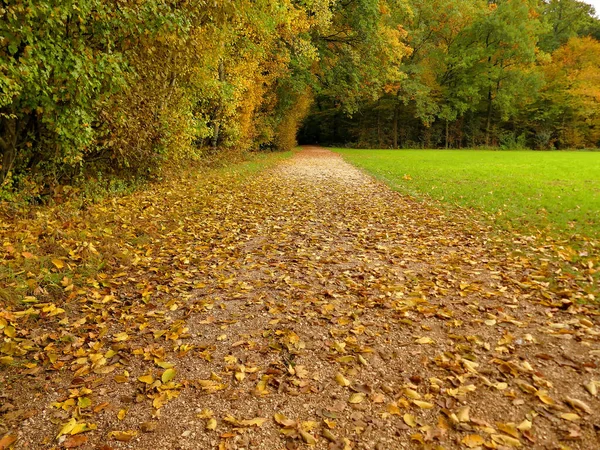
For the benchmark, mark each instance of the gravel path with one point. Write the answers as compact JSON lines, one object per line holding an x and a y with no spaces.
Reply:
{"x":348,"y":316}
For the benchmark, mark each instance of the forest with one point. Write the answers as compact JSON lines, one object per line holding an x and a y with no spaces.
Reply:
{"x":176,"y":274}
{"x":134,"y":89}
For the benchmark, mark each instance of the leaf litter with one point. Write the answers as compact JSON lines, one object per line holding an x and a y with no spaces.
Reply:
{"x":306,"y":306}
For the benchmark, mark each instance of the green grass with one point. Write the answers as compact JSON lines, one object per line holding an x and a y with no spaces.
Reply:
{"x":558,"y":192}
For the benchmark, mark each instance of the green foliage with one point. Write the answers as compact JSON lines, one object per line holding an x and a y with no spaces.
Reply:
{"x":133,"y":88}
{"x":58,"y":63}
{"x":477,"y":74}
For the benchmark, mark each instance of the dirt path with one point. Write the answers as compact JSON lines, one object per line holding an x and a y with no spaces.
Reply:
{"x":311,"y":305}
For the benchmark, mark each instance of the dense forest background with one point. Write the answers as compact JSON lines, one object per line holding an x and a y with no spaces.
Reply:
{"x":511,"y":74}
{"x":96,"y":88}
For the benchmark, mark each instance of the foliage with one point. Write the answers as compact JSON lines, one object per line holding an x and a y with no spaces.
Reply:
{"x":132,"y":88}
{"x":475,"y":73}
{"x":138,"y":89}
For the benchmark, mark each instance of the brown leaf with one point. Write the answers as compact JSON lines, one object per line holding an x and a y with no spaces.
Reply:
{"x":7,"y":441}
{"x":123,"y":436}
{"x":75,"y":441}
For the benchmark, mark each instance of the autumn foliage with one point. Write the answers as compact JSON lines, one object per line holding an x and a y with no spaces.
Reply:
{"x":132,"y":88}
{"x":509,"y":74}
{"x":96,"y":87}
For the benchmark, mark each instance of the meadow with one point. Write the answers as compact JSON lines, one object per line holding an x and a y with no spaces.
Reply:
{"x":554,"y":192}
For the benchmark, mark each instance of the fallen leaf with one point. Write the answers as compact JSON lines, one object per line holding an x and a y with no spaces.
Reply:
{"x":506,"y":440}
{"x":168,"y":375}
{"x":356,"y":398}
{"x":7,"y":440}
{"x":147,"y":379}
{"x":409,"y":420}
{"x":472,"y":440}
{"x":73,"y":441}
{"x":578,"y":404}
{"x":422,"y":404}
{"x":123,"y":436}
{"x":307,"y":438}
{"x":342,"y":380}
{"x":211,"y":424}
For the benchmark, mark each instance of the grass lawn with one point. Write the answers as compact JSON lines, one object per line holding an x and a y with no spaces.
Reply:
{"x":555,"y":191}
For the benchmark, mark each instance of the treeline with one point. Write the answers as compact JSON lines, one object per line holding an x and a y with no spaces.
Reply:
{"x":89,"y":87}
{"x":509,"y":74}
{"x":132,"y":88}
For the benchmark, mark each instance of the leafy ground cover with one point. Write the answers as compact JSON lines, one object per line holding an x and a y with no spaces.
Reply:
{"x":558,"y":192}
{"x":304,"y":306}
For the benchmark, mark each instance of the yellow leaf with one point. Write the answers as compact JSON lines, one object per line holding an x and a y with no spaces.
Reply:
{"x":356,"y":398}
{"x":423,"y":405}
{"x":410,"y":420}
{"x":425,"y":340}
{"x":123,"y":436}
{"x":412,"y":394}
{"x":342,"y":380}
{"x":168,"y":375}
{"x":120,"y":337}
{"x":544,"y":397}
{"x":348,"y":359}
{"x":592,"y":388}
{"x":578,"y":404}
{"x":463,"y":414}
{"x":473,"y":440}
{"x":509,"y":428}
{"x":307,"y":438}
{"x":163,"y":364}
{"x":393,"y":408}
{"x":309,"y":425}
{"x":58,"y":263}
{"x":526,"y":425}
{"x":84,"y":402}
{"x":570,"y":417}
{"x":79,"y":428}
{"x":121,"y":414}
{"x":284,"y":421}
{"x":147,"y":379}
{"x":506,"y":440}
{"x":10,"y":331}
{"x":121,"y":379}
{"x":67,"y":427}
{"x":211,"y":424}
{"x":205,"y":414}
{"x":257,"y":422}
{"x":331,"y":424}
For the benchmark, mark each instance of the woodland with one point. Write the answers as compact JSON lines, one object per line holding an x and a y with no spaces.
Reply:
{"x":90,"y":89}
{"x":225,"y":290}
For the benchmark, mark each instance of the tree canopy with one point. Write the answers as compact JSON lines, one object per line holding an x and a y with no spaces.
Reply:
{"x":480,"y":73}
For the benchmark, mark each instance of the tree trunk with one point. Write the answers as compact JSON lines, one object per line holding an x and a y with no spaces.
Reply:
{"x":447,"y":134}
{"x":379,"y":129}
{"x":8,"y":146}
{"x":489,"y":118}
{"x":395,"y":126}
{"x":219,"y":112}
